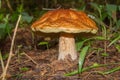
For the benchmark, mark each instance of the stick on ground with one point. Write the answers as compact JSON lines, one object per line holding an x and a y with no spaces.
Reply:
{"x":11,"y":49}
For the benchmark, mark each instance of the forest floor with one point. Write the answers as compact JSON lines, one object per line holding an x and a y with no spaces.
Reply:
{"x":33,"y":62}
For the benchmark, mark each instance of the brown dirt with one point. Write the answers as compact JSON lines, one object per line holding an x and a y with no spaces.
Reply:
{"x":45,"y":65}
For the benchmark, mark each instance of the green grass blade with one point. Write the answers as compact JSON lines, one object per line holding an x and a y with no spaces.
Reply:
{"x":94,"y":5}
{"x":82,"y":58}
{"x":116,"y":39}
{"x":95,"y":65}
{"x":79,"y":45}
{"x":117,"y":47}
{"x":84,"y":69}
{"x":111,"y":71}
{"x":99,"y":38}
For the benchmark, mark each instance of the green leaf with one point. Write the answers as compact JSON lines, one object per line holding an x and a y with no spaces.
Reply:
{"x":99,"y":21}
{"x":118,"y":23}
{"x":24,"y":69}
{"x":5,"y":29}
{"x":111,"y":11}
{"x":5,"y":56}
{"x":2,"y":30}
{"x":26,"y":17}
{"x":82,"y":58}
{"x":1,"y":17}
{"x":43,"y":43}
{"x":6,"y":19}
{"x":2,"y":26}
{"x":95,"y":6}
{"x":98,"y":8}
{"x":14,"y":17}
{"x":111,"y":8}
{"x":119,"y":8}
{"x":20,"y":8}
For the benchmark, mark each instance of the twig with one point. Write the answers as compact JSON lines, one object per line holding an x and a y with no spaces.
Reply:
{"x":9,"y":6}
{"x":2,"y":63}
{"x":0,"y":4}
{"x":48,"y":9}
{"x":11,"y":50}
{"x":105,"y":50}
{"x":51,"y":8}
{"x":30,"y":58}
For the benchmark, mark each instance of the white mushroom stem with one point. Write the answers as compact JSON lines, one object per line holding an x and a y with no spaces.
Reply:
{"x":67,"y":47}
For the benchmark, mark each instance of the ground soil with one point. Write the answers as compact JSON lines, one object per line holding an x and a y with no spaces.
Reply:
{"x":33,"y":62}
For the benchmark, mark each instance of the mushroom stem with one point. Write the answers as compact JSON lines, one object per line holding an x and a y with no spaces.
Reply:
{"x":67,"y":46}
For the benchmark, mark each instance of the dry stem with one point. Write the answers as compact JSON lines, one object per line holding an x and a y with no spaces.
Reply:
{"x":2,"y":63}
{"x":30,"y":58}
{"x":11,"y":50}
{"x":9,"y":5}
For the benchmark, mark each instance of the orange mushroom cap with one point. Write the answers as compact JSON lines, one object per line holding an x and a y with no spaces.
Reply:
{"x":65,"y":20}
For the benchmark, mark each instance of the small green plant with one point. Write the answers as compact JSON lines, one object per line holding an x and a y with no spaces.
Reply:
{"x":79,"y":46}
{"x":23,"y":69}
{"x":19,"y":53}
{"x":5,"y":56}
{"x":5,"y":27}
{"x":8,"y":20}
{"x":44,"y":43}
{"x":108,"y":23}
{"x":107,"y":12}
{"x":104,"y":54}
{"x":17,"y":76}
{"x":118,"y":47}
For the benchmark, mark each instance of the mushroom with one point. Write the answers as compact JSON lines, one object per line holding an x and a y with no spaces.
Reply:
{"x":65,"y":23}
